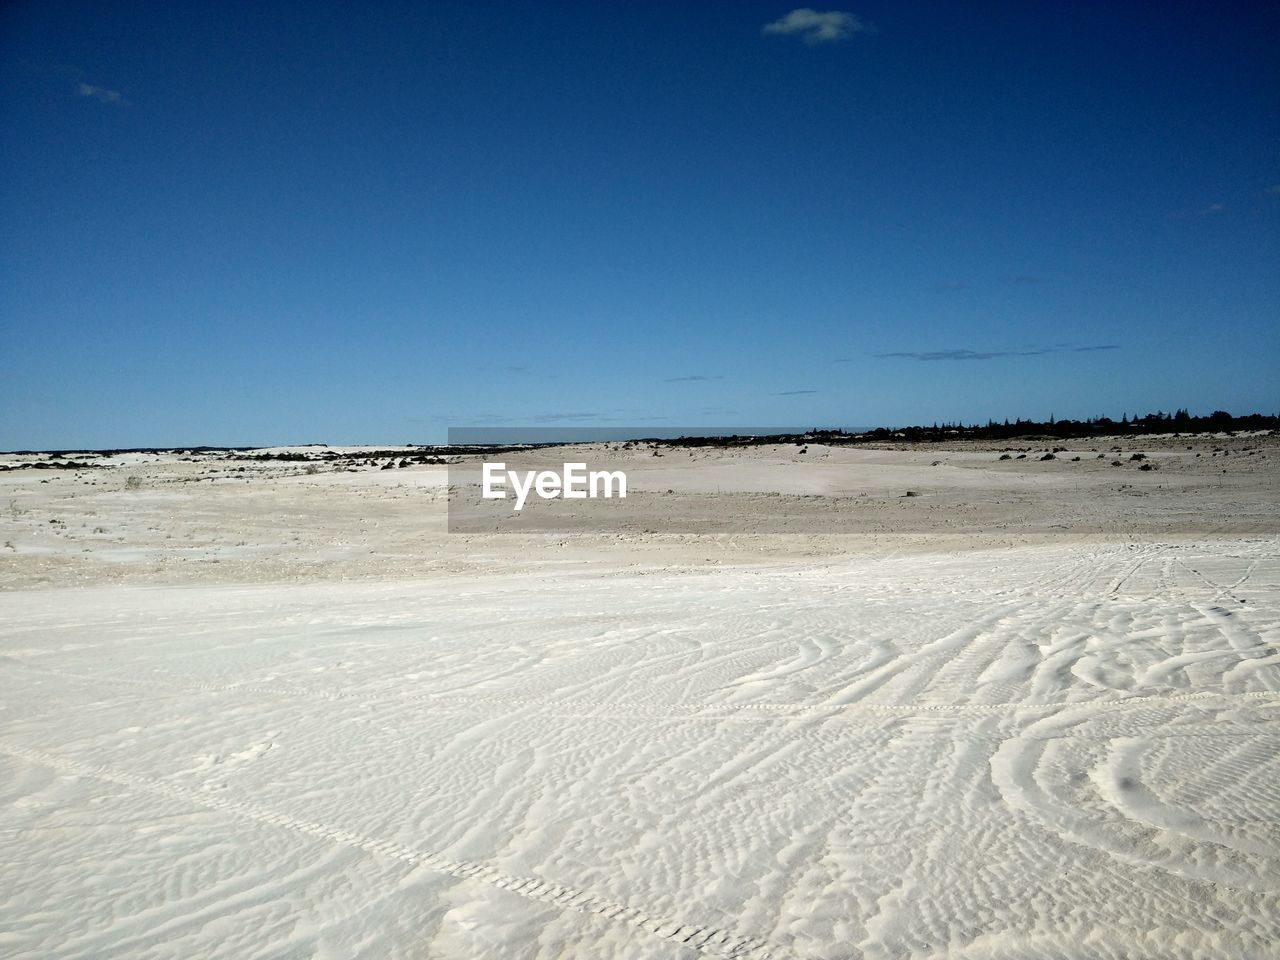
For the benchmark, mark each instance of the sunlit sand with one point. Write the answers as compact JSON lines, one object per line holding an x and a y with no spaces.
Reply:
{"x":1029,"y":712}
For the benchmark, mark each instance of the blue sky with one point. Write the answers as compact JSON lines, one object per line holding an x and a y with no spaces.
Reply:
{"x":340,"y":222}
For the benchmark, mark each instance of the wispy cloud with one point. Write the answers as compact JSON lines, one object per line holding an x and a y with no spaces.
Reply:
{"x":610,"y":416}
{"x":113,"y":97}
{"x":570,"y":417}
{"x":1273,"y":190}
{"x":1191,"y":213}
{"x":959,"y":354}
{"x":491,"y":419}
{"x":606,"y":417}
{"x":693,"y":378}
{"x":993,"y":354}
{"x":794,"y":393}
{"x":814,"y":27}
{"x":1016,"y":280}
{"x":68,"y":76}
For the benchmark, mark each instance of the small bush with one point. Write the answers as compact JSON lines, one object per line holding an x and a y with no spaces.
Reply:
{"x":133,"y":483}
{"x":1048,"y":456}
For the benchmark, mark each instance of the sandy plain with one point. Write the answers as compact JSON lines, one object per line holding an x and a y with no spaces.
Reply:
{"x":263,"y":708}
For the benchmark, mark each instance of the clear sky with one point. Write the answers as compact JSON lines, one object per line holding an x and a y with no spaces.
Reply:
{"x":257,"y":223}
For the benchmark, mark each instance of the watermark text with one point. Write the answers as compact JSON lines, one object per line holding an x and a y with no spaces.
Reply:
{"x":573,"y":482}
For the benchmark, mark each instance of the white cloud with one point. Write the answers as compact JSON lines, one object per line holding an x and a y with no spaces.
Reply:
{"x":815,"y":27}
{"x":101,"y":94}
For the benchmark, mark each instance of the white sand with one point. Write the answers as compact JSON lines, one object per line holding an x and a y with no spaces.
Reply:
{"x":286,"y":715}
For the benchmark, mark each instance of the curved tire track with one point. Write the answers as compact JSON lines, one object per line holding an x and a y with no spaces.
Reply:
{"x":704,"y":939}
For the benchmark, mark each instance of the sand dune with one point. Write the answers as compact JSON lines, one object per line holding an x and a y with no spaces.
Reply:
{"x":867,"y":743}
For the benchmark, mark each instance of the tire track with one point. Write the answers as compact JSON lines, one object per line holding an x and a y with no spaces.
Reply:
{"x":1026,"y":785}
{"x":707,"y":940}
{"x":1146,"y":555}
{"x":629,"y":710}
{"x":1223,"y":590}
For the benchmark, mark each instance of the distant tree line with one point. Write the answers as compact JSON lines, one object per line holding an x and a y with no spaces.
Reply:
{"x":1179,"y":421}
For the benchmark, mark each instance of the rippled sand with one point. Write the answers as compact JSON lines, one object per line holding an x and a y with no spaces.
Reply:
{"x":861,"y":747}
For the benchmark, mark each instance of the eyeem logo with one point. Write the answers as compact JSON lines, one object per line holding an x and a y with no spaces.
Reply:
{"x":573,"y":482}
